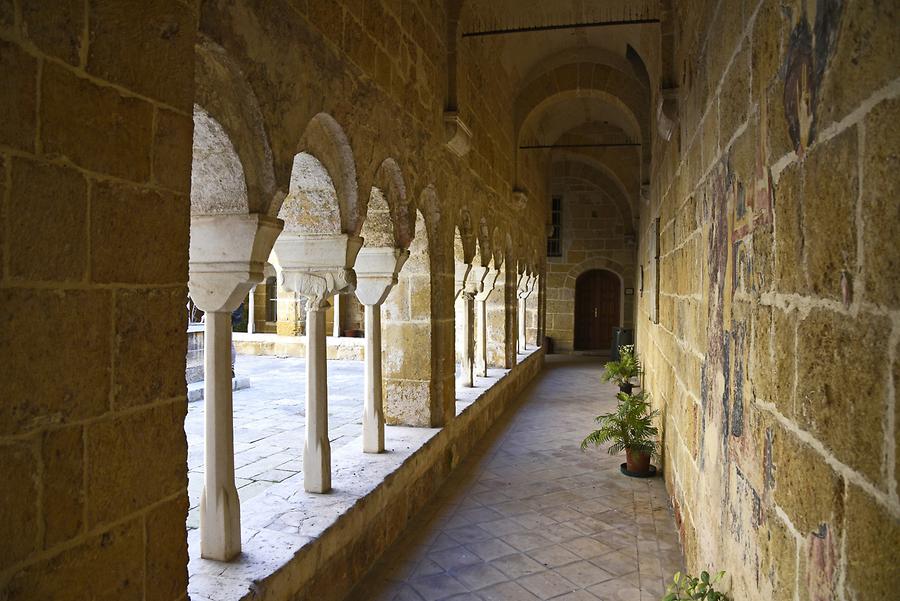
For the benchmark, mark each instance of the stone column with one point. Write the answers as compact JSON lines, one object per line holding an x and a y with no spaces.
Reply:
{"x":316,"y":446}
{"x":481,"y":362}
{"x":316,"y":266}
{"x":376,"y":274}
{"x":467,"y":377}
{"x":227,"y":255}
{"x":336,"y":327}
{"x":251,"y":311}
{"x":521,"y":295}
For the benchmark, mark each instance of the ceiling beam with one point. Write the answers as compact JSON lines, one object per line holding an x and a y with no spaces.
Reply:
{"x":533,"y":28}
{"x":605,"y":145}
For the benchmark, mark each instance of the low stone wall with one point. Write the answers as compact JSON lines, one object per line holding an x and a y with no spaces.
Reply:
{"x":317,"y":547}
{"x":343,"y":348}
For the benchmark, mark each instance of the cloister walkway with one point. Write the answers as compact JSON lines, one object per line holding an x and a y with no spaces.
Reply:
{"x":529,"y":516}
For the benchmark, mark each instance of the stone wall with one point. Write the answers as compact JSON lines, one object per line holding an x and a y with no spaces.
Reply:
{"x":593,"y":237}
{"x":775,"y":357}
{"x":95,"y":140}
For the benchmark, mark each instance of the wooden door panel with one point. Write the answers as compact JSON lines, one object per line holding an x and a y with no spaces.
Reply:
{"x":596,"y":309}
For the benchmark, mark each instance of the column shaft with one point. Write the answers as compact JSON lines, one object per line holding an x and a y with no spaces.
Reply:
{"x":317,"y":449}
{"x":467,"y":378}
{"x":373,"y":410}
{"x":481,"y":344}
{"x":251,"y":311}
{"x":336,"y":326}
{"x":523,"y":343}
{"x":220,"y":510}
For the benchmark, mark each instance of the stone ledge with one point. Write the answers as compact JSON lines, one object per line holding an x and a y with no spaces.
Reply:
{"x":343,"y":348}
{"x":298,"y":545}
{"x":195,"y":390}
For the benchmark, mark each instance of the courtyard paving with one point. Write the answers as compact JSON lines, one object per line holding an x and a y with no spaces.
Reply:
{"x":530,"y":516}
{"x":269,"y":421}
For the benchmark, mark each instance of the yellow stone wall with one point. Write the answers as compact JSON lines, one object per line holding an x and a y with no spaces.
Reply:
{"x":775,"y":358}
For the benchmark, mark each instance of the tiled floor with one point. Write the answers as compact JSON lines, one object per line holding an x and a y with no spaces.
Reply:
{"x":530,"y":516}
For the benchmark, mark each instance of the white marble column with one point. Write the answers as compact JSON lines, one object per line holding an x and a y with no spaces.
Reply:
{"x":220,"y":508}
{"x":316,"y":267}
{"x":373,"y":405}
{"x":481,"y":362}
{"x":336,"y":326}
{"x":376,"y":274}
{"x":467,"y":377}
{"x":316,"y":447}
{"x":251,"y":311}
{"x":227,"y":256}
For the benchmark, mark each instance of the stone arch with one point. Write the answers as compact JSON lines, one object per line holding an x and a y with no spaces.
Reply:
{"x":388,"y":221}
{"x":218,"y":183}
{"x":497,"y":253}
{"x":625,"y":280}
{"x":464,"y":239}
{"x":322,"y":195}
{"x":484,"y":255}
{"x":595,"y":174}
{"x":223,"y":96}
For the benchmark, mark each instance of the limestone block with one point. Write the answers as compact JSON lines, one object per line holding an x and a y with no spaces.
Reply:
{"x":864,"y":59}
{"x":135,"y":459}
{"x":830,"y":192}
{"x":61,"y":364}
{"x":407,"y":348}
{"x":74,"y":110}
{"x":63,"y":484}
{"x":160,"y":37}
{"x":106,"y":566}
{"x":734,"y":99}
{"x":147,"y":321}
{"x":880,"y":209}
{"x":167,"y":555}
{"x":19,"y":499}
{"x":766,"y":39}
{"x":172,"y":151}
{"x":778,"y":558}
{"x":806,"y":487}
{"x":17,"y":103}
{"x":407,"y":402}
{"x":871,"y":528}
{"x":57,"y":28}
{"x":142,"y":233}
{"x":48,"y":238}
{"x":788,"y":234}
{"x":843,"y":407}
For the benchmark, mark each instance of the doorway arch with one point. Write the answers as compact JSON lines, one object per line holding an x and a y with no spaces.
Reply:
{"x":598,"y":294}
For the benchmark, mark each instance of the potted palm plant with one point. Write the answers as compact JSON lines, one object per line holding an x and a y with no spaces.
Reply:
{"x":630,"y":428}
{"x":620,"y":372}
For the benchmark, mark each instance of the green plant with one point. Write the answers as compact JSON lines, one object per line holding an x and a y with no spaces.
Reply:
{"x":685,"y":587}
{"x":628,"y":366}
{"x":630,"y":427}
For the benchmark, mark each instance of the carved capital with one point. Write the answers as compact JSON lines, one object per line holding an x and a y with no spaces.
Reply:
{"x":457,"y":136}
{"x":520,"y":198}
{"x":318,"y":285}
{"x":489,"y":283}
{"x":667,"y":113}
{"x":377,"y":270}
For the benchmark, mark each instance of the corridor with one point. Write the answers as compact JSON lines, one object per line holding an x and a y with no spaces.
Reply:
{"x":529,"y":516}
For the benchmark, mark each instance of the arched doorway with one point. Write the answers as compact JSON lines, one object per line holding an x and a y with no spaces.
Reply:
{"x":597,"y":311}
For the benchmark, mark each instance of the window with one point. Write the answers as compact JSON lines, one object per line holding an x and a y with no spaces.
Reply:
{"x":554,"y":241}
{"x":271,"y":299}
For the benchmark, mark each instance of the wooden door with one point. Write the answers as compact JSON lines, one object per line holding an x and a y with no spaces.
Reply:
{"x":596,"y":309}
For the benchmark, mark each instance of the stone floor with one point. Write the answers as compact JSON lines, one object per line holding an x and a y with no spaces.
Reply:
{"x":530,"y":516}
{"x":269,"y":420}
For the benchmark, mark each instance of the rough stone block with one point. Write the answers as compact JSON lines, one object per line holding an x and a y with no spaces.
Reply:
{"x":48,"y":216}
{"x":135,"y":460}
{"x":17,"y":103}
{"x":407,"y":402}
{"x":863,"y":60}
{"x":108,"y":567}
{"x":880,"y":209}
{"x":841,"y":399}
{"x":172,"y":146}
{"x":57,"y":27}
{"x":167,"y":555}
{"x":830,"y":193}
{"x":19,"y":499}
{"x":158,"y":58}
{"x":147,"y":321}
{"x":61,"y":362}
{"x":872,"y":572}
{"x":806,"y":487}
{"x":62,"y":454}
{"x":138,"y":236}
{"x":766,"y":40}
{"x":74,"y":110}
{"x":734,"y":99}
{"x":788,"y":233}
{"x":778,"y":554}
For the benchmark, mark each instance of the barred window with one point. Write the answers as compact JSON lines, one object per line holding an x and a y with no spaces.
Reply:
{"x":554,"y":241}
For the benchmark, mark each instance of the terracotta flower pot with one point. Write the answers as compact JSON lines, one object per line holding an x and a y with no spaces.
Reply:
{"x":637,"y":462}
